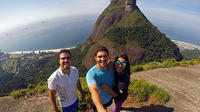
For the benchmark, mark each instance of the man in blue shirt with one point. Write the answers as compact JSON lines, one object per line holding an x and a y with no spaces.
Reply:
{"x":98,"y":75}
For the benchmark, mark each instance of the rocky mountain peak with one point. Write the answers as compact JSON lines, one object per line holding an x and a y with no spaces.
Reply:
{"x":123,"y":28}
{"x":118,"y":8}
{"x":130,"y":5}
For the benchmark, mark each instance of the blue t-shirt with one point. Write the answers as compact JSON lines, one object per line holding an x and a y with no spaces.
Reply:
{"x":98,"y":76}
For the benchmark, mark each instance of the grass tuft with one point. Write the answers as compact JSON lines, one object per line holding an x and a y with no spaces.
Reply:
{"x":142,"y":90}
{"x":165,"y":64}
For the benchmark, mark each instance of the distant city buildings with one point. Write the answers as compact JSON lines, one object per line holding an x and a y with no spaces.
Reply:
{"x":30,"y":54}
{"x":37,"y":54}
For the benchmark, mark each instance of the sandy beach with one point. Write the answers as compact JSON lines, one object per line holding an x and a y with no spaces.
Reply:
{"x":39,"y":51}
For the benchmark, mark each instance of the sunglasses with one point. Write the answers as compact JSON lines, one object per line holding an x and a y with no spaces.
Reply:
{"x":122,"y":63}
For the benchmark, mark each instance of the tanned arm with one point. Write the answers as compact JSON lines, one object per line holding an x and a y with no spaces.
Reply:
{"x":94,"y":91}
{"x":52,"y":96}
{"x":109,"y":90}
{"x":79,"y":87}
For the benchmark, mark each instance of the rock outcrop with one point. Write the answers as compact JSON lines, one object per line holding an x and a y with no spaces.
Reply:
{"x":106,"y":20}
{"x":130,"y":5}
{"x":127,"y":17}
{"x":135,"y":52}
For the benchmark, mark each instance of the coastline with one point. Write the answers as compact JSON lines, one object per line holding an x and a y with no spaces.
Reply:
{"x":39,"y":51}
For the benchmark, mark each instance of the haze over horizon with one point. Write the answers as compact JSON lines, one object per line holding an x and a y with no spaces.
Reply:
{"x":178,"y":19}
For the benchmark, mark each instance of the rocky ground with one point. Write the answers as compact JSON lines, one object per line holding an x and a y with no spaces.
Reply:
{"x":182,"y":83}
{"x":33,"y":104}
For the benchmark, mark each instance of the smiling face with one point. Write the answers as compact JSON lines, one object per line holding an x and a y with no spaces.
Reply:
{"x":101,"y":59}
{"x":120,"y":65}
{"x":65,"y":61}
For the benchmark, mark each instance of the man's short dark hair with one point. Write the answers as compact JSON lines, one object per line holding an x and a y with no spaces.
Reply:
{"x":100,"y":48}
{"x":64,"y":51}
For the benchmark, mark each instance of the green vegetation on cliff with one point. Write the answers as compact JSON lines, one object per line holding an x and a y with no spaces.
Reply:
{"x":190,"y":54}
{"x":134,"y":19}
{"x":118,"y":4}
{"x":157,"y":46}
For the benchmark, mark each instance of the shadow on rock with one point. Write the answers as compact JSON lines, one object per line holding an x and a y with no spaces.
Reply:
{"x":151,"y":108}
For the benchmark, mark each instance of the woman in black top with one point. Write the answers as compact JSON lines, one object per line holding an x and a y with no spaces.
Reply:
{"x":121,"y":81}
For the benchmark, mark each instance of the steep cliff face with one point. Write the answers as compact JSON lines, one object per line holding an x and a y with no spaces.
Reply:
{"x":112,"y":16}
{"x":105,"y":21}
{"x":123,"y":28}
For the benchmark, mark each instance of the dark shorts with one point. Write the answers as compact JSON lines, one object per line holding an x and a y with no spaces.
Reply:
{"x":105,"y":105}
{"x":71,"y":108}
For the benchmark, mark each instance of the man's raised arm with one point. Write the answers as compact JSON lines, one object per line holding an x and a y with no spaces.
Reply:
{"x":94,"y":91}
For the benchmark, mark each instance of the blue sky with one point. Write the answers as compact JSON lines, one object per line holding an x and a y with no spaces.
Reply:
{"x":174,"y":13}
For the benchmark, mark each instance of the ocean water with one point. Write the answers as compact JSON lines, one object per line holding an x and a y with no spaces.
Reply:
{"x":54,"y":33}
{"x":180,"y":33}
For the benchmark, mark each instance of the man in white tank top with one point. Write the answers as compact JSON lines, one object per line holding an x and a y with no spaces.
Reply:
{"x":65,"y":82}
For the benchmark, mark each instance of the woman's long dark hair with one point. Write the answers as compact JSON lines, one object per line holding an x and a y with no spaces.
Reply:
{"x":124,"y":56}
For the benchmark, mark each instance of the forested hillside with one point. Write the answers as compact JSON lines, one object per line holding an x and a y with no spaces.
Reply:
{"x":18,"y":72}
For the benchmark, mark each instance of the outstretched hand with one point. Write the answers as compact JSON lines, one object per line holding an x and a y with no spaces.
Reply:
{"x":109,"y":90}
